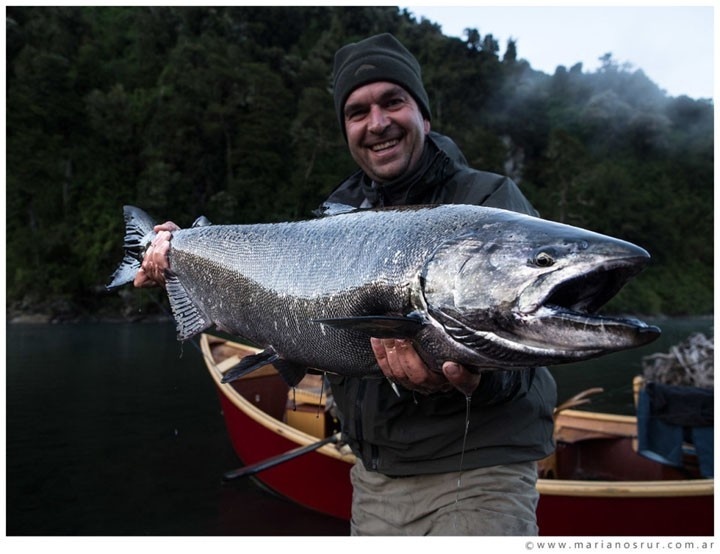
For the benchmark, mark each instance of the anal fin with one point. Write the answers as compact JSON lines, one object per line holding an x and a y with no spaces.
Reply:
{"x":291,"y":372}
{"x":249,"y":364}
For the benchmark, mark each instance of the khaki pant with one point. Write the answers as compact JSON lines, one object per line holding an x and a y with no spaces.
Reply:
{"x":492,"y":501}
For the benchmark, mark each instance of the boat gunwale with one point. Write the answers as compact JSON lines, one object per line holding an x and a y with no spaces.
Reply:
{"x":550,"y":487}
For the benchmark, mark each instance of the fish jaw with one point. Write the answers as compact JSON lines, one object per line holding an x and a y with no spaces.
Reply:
{"x":580,"y":336}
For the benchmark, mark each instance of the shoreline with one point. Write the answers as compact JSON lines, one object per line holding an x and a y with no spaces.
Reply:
{"x":50,"y":319}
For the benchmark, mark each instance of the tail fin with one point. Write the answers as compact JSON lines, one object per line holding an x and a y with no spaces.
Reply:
{"x":138,"y":234}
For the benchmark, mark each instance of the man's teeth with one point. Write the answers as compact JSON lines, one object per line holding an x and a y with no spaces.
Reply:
{"x":384,"y":145}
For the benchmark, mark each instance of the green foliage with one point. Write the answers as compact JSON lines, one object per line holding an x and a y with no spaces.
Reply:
{"x":227,"y":112}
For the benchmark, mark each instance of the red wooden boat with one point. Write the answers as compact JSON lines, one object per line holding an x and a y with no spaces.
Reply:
{"x":595,"y":484}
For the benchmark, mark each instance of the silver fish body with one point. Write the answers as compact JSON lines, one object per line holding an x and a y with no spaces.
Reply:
{"x":488,"y":288}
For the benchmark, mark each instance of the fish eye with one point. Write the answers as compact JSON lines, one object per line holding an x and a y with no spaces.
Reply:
{"x":543,"y":259}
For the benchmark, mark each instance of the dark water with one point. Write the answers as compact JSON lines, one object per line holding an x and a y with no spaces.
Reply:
{"x":115,"y":429}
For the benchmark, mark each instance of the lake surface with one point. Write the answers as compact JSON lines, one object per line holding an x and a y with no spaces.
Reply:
{"x":115,"y":429}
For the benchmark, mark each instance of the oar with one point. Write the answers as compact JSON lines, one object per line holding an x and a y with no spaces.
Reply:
{"x":279,"y":459}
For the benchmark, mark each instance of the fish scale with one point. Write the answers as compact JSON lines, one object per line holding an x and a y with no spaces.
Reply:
{"x":274,"y":286}
{"x":275,"y":254}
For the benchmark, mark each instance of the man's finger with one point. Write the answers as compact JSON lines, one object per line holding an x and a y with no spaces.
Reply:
{"x":461,"y":378}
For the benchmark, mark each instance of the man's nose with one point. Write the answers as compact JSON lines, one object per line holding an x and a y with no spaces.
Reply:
{"x":379,"y":121}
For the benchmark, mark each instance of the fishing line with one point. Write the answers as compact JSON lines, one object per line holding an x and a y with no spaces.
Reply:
{"x":468,"y":400}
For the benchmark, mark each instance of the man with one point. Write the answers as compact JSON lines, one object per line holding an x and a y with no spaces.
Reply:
{"x":450,"y":454}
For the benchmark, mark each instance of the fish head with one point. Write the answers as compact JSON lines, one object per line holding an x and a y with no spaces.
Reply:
{"x":523,"y":291}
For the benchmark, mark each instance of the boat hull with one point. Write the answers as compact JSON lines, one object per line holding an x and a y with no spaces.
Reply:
{"x":624,"y":515}
{"x":319,"y":480}
{"x":314,"y":480}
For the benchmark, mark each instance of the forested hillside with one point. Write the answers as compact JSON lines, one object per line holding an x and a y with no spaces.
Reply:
{"x":227,"y":112}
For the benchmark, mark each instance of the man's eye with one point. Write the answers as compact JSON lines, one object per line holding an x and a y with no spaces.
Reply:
{"x":354,"y":115}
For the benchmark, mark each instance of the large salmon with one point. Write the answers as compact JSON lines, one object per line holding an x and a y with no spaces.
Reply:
{"x":488,"y":288}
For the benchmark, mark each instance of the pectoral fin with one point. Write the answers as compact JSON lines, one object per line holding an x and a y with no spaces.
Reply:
{"x":380,"y":326}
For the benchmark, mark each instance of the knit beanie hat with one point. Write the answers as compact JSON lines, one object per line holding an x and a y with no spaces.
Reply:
{"x":378,"y":58}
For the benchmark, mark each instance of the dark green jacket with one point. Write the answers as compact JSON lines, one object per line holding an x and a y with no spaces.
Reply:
{"x":510,"y":412}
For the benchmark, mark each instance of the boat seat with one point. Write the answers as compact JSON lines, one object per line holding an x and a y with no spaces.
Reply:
{"x":228,"y":363}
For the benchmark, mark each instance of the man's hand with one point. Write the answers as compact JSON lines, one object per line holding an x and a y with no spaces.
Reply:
{"x":400,"y":363}
{"x":155,"y":262}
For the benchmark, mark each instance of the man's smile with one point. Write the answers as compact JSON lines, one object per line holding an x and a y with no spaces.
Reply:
{"x":384,"y":145}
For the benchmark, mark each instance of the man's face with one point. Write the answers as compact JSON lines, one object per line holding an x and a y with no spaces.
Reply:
{"x":385,"y":130}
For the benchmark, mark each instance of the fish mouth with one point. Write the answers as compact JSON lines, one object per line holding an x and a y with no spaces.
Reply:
{"x":566,"y":317}
{"x":586,"y":293}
